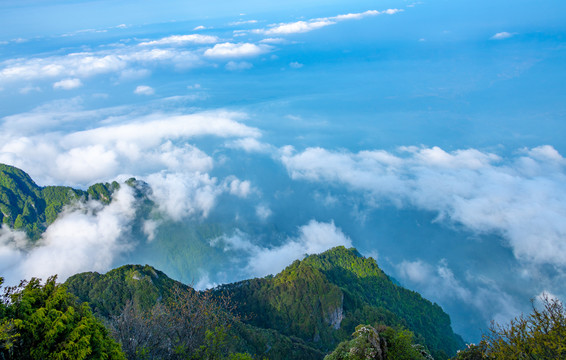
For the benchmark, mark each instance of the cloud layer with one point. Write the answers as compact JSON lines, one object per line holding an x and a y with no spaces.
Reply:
{"x":87,"y":236}
{"x":522,"y":199}
{"x":145,"y":144}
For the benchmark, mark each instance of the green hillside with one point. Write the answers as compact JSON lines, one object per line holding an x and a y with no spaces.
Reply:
{"x":322,"y":299}
{"x":135,"y":294}
{"x":26,"y":206}
{"x":303,"y":312}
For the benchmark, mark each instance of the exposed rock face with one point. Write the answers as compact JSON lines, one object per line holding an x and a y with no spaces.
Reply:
{"x":377,"y":348}
{"x":365,"y":345}
{"x":335,"y":317}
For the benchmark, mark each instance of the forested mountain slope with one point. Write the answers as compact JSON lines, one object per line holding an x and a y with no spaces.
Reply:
{"x":303,"y":312}
{"x":26,"y":206}
{"x":144,"y":306}
{"x":322,"y":298}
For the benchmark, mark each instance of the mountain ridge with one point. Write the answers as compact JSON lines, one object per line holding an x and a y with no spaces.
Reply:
{"x":310,"y":301}
{"x":308,"y":308}
{"x":26,"y":206}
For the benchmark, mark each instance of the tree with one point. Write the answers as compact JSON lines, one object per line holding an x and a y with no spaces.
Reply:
{"x":184,"y":325}
{"x":540,"y":335}
{"x":473,"y":352}
{"x":46,"y":322}
{"x":387,"y":343}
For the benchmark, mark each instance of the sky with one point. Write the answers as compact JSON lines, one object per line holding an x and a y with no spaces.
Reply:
{"x":427,"y":134}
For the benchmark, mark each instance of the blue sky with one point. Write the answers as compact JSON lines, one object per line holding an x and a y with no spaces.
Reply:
{"x":427,"y":134}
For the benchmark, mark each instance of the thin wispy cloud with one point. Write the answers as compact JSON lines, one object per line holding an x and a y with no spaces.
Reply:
{"x":439,"y":281}
{"x":236,"y":50}
{"x":238,"y":66}
{"x":68,"y":84}
{"x":179,"y":40}
{"x":77,"y":66}
{"x":502,"y":35}
{"x":242,"y":22}
{"x":144,"y":90}
{"x":273,"y":41}
{"x":317,"y":23}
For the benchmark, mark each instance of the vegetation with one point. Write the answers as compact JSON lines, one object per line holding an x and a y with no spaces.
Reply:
{"x":322,"y":298}
{"x":26,"y":206}
{"x":539,"y":335}
{"x":153,"y":316}
{"x":385,"y":343}
{"x":308,"y":308}
{"x":46,"y":322}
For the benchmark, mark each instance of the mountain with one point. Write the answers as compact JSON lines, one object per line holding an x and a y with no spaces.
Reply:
{"x":148,"y":301}
{"x":26,"y":206}
{"x":322,"y":299}
{"x":302,"y":312}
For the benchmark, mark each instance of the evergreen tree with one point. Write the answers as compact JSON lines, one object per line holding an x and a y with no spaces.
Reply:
{"x":46,"y":322}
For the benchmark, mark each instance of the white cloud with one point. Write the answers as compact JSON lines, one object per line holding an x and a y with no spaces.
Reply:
{"x":150,"y":229}
{"x":502,"y":35}
{"x":133,"y":74}
{"x":150,"y":130}
{"x":439,"y":282}
{"x":68,"y":84}
{"x":87,"y":236}
{"x":273,"y":41}
{"x":181,"y":195}
{"x":12,"y":242}
{"x":296,"y":65}
{"x":123,"y":141}
{"x":250,"y":145}
{"x":86,"y":162}
{"x":521,"y":199}
{"x":144,"y":90}
{"x":237,"y":187}
{"x":76,"y":66}
{"x":118,"y":141}
{"x":313,"y":238}
{"x":243,"y":22}
{"x":232,"y":50}
{"x":238,"y":66}
{"x":314,"y":24}
{"x":263,"y":212}
{"x":545,"y":295}
{"x":296,"y":27}
{"x":179,"y":40}
{"x":29,"y":89}
{"x":200,"y":27}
